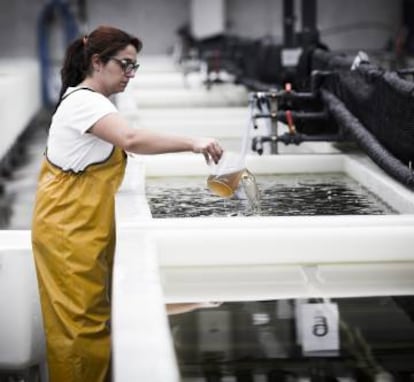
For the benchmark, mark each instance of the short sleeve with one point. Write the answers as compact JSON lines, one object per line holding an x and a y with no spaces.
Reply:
{"x":86,"y":107}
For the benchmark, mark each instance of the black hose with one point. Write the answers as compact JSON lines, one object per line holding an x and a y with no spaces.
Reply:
{"x":381,"y":156}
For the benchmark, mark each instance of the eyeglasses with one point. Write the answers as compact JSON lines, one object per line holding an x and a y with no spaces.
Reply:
{"x":126,"y":65}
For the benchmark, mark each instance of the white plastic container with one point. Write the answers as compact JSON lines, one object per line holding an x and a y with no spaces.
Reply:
{"x":21,"y":330}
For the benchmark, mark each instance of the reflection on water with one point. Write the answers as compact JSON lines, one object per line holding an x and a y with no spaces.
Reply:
{"x":262,"y":341}
{"x":298,"y":194}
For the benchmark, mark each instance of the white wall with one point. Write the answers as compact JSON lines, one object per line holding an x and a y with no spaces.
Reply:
{"x":207,"y":18}
{"x":255,"y":18}
{"x":156,"y":21}
{"x":343,"y":25}
{"x":368,"y":24}
{"x":153,"y":21}
{"x":18,"y":20}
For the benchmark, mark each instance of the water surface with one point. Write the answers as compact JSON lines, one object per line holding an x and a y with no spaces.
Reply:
{"x":291,"y":194}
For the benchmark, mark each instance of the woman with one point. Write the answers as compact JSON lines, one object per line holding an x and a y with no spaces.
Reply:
{"x":73,"y":231}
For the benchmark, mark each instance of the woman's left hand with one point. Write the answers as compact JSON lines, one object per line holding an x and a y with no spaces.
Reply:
{"x":209,"y":147}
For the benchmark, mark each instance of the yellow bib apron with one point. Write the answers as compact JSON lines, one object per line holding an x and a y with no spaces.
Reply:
{"x":73,"y":239}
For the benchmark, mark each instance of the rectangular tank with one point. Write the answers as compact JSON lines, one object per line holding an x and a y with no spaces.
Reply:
{"x":241,"y":256}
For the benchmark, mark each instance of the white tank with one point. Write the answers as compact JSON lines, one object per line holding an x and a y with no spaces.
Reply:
{"x":21,"y":329}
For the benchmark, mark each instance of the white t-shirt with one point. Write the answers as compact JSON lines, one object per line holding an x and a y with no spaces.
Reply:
{"x":69,"y":145}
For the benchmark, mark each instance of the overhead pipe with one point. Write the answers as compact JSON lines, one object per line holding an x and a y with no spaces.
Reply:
{"x":289,"y":23}
{"x":310,"y":34}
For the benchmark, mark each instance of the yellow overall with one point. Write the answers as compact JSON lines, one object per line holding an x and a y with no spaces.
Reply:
{"x":73,"y":239}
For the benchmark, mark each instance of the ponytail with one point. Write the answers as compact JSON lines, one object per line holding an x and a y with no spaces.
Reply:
{"x":74,"y":66}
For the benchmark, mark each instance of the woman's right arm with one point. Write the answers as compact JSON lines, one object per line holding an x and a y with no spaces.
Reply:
{"x":114,"y":128}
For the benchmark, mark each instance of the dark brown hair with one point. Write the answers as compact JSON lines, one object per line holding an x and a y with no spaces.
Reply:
{"x":105,"y":41}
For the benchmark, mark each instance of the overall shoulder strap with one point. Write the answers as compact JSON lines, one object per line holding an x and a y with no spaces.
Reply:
{"x":74,"y":91}
{"x":68,"y":94}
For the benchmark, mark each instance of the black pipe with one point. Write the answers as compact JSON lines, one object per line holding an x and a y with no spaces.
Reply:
{"x":288,"y":23}
{"x":406,"y":74}
{"x":317,"y":77}
{"x":368,"y":142}
{"x":310,"y":35}
{"x":296,"y":115}
{"x":289,"y":139}
{"x":299,"y":138}
{"x":244,"y":375}
{"x":284,"y":94}
{"x":302,"y":115}
{"x":257,"y":142}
